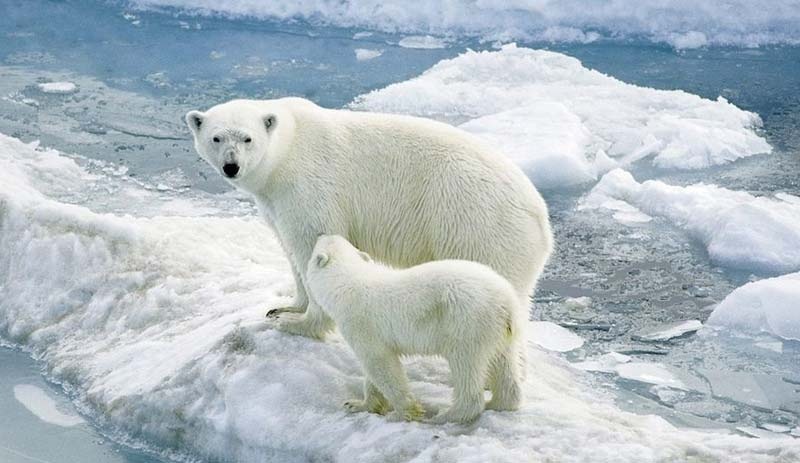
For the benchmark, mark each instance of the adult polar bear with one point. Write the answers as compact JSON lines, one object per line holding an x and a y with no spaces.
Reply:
{"x":405,"y":190}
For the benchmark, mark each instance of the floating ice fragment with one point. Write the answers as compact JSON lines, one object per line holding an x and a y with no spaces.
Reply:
{"x":769,"y":305}
{"x":606,"y":363}
{"x":775,"y":427}
{"x":365,"y":54}
{"x":553,"y":337}
{"x":760,"y":433}
{"x":58,"y":87}
{"x":651,"y":373}
{"x":668,"y":331}
{"x":739,"y":230}
{"x":577,"y":303}
{"x":38,"y":402}
{"x":767,"y":392}
{"x":422,"y":41}
{"x":796,"y":431}
{"x":776,"y":346}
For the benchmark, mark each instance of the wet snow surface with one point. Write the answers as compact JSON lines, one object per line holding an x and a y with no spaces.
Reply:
{"x":139,"y":281}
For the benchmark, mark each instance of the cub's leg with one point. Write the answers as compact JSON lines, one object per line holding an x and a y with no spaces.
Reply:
{"x":505,"y":380}
{"x":384,"y":370}
{"x":468,"y":372}
{"x":374,"y":401}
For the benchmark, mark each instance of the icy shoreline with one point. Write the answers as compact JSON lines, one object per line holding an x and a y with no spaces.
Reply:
{"x":157,"y":325}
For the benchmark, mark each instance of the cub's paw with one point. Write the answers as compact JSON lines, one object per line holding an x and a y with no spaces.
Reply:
{"x":413,"y":412}
{"x":303,"y":326}
{"x":355,"y":406}
{"x":274,"y":313}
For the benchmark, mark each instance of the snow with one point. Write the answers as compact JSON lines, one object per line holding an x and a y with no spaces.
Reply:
{"x":739,"y":230}
{"x":58,"y":87}
{"x":156,"y":324}
{"x":38,"y":402}
{"x":681,"y":23}
{"x":366,"y":54}
{"x":771,"y":305}
{"x":564,"y":124}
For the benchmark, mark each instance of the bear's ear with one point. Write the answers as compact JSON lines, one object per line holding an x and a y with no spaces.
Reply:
{"x":195,"y":119}
{"x":270,"y":121}
{"x":322,"y":259}
{"x":365,"y":256}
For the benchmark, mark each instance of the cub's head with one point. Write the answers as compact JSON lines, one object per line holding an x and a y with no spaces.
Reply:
{"x":332,"y":251}
{"x":239,"y":138}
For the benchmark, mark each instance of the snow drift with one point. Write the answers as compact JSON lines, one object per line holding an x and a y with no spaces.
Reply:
{"x":739,"y":230}
{"x":156,"y":323}
{"x":770,"y":306}
{"x":681,"y":23}
{"x":565,"y":124}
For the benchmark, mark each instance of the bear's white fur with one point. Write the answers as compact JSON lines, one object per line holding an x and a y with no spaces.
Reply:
{"x":460,"y":310}
{"x":406,"y":190}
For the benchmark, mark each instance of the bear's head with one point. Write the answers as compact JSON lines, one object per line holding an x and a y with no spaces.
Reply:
{"x":334,"y":250}
{"x":239,"y":139}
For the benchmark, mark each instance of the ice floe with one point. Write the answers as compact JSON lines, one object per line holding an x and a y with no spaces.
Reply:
{"x":58,"y":87}
{"x":668,"y":331}
{"x":771,"y":305}
{"x":366,"y":54}
{"x":41,"y":404}
{"x":565,"y":124}
{"x":682,"y":24}
{"x":739,"y":230}
{"x":157,"y":325}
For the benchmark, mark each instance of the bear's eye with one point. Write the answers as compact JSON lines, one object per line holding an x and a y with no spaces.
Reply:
{"x":248,"y":140}
{"x":216,"y":139}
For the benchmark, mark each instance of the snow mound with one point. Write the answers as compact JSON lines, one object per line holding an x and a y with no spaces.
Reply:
{"x":739,"y":230}
{"x":771,"y":305}
{"x":565,"y":124}
{"x":157,"y":324}
{"x":682,"y":23}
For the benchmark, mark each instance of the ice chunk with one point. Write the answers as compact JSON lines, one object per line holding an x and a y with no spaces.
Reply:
{"x":668,"y":331}
{"x":775,"y":427}
{"x":760,"y":433}
{"x":553,"y":337}
{"x":682,"y":24}
{"x":38,"y":402}
{"x":58,"y":87}
{"x":606,"y":363}
{"x":769,"y":305}
{"x":366,"y":54}
{"x":565,"y":124}
{"x":422,"y":41}
{"x":651,"y":373}
{"x":768,"y":392}
{"x":740,"y":230}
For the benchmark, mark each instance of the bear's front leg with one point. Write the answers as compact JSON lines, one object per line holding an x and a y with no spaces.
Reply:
{"x":300,"y":302}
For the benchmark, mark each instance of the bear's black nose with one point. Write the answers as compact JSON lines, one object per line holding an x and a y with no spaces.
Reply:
{"x":230,"y":170}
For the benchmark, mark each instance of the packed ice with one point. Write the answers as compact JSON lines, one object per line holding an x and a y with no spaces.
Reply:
{"x":587,"y":123}
{"x":740,"y":230}
{"x":157,"y":324}
{"x":681,"y":24}
{"x":765,"y":306}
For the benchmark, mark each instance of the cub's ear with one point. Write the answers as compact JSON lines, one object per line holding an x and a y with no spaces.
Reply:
{"x":322,"y":259}
{"x":365,"y":256}
{"x":195,"y":119}
{"x":270,"y":122}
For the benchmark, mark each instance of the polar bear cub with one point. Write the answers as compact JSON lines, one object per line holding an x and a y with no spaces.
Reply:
{"x":460,"y":310}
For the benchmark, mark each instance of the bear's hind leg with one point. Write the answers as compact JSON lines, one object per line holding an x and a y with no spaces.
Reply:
{"x":468,"y":372}
{"x":505,"y":380}
{"x":374,"y":401}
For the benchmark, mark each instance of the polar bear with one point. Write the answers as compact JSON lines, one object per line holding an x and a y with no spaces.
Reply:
{"x":406,"y":190}
{"x":460,"y":310}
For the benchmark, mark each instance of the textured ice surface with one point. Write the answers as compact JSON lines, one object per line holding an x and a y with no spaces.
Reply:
{"x":58,"y":87}
{"x":651,"y":373}
{"x":683,"y":23}
{"x":769,"y":392}
{"x":38,"y":402}
{"x":771,"y":305}
{"x":553,"y":337}
{"x":565,"y":124}
{"x":157,"y":325}
{"x":740,"y":230}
